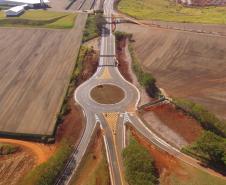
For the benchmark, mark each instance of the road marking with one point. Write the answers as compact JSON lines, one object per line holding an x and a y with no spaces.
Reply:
{"x":126,"y":118}
{"x":112,"y":119}
{"x":105,"y":75}
{"x":97,"y":119}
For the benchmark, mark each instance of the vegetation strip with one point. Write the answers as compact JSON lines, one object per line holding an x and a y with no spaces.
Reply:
{"x":40,"y":18}
{"x":139,"y":165}
{"x":208,"y":120}
{"x":144,"y":78}
{"x":6,"y":149}
{"x":93,"y":26}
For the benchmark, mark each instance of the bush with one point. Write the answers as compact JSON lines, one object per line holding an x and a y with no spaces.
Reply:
{"x":93,"y":26}
{"x":210,"y":147}
{"x":73,"y":80}
{"x":121,"y":35}
{"x":208,"y":120}
{"x":138,"y":164}
{"x":144,"y":78}
{"x":46,"y":173}
{"x":6,"y":149}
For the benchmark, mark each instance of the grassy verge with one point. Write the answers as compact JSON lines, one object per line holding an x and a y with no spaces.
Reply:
{"x":196,"y":177}
{"x":39,"y":18}
{"x":100,"y":172}
{"x":73,"y":80}
{"x":166,"y":10}
{"x":139,"y":167}
{"x":6,"y":149}
{"x":93,"y":169}
{"x":93,"y":26}
{"x":46,"y":173}
{"x":144,"y":78}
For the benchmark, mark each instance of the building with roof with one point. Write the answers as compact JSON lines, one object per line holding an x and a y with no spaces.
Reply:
{"x":29,"y":3}
{"x":15,"y":11}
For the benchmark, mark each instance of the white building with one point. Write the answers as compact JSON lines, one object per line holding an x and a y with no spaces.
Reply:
{"x":29,"y":3}
{"x":15,"y":11}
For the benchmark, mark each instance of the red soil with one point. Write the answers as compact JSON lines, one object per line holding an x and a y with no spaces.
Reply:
{"x":178,"y":121}
{"x":121,"y":56}
{"x":165,"y":163}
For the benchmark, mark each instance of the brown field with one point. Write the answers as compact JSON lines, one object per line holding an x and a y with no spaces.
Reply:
{"x":35,"y":69}
{"x":185,"y":64}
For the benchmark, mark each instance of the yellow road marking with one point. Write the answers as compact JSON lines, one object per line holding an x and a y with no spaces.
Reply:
{"x":105,"y":74}
{"x":112,"y":119}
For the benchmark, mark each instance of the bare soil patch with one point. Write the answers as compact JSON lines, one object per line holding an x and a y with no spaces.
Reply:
{"x":187,"y":65}
{"x":107,"y":94}
{"x":122,"y":59}
{"x":185,"y":126}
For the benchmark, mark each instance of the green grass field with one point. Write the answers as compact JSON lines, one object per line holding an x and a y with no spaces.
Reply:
{"x":195,"y":177}
{"x":164,"y":10}
{"x":39,"y":18}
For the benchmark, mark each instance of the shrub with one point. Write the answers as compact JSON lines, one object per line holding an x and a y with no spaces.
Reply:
{"x":46,"y":173}
{"x":208,"y":120}
{"x":93,"y":26}
{"x":6,"y":149}
{"x":138,"y":164}
{"x":144,"y":78}
{"x":210,"y":147}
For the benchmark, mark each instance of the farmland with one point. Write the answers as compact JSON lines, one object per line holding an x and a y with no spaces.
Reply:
{"x":166,"y":10}
{"x":185,"y":64}
{"x":35,"y":68}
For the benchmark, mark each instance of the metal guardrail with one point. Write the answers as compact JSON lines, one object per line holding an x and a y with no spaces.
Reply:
{"x":152,"y":103}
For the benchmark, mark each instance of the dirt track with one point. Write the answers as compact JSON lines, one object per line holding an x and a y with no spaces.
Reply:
{"x":189,"y":65}
{"x":35,"y":68}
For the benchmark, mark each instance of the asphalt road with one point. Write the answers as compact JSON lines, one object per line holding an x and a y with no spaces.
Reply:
{"x":108,"y":73}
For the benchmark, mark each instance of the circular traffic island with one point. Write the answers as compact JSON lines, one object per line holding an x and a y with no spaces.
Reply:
{"x":107,"y":94}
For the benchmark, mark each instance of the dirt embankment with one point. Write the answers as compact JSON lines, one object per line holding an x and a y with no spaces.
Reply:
{"x":165,"y":163}
{"x":172,"y":124}
{"x":122,"y":59}
{"x":125,"y":68}
{"x":187,"y":65}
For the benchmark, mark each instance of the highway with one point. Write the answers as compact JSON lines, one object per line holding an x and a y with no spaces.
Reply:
{"x":125,"y":110}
